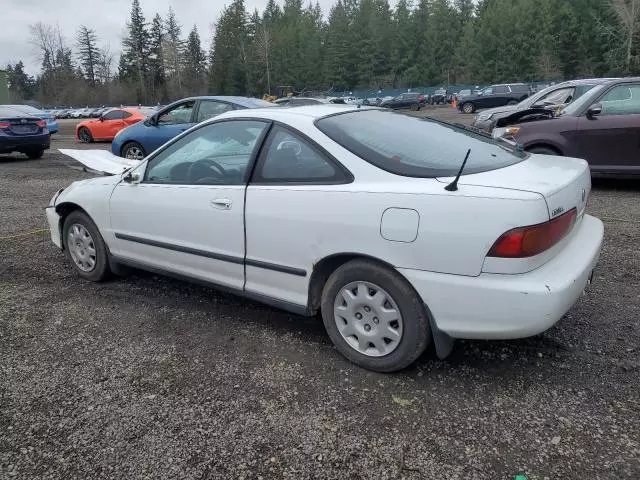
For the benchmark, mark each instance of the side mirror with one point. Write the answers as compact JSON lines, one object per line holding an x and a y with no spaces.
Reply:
{"x":131,"y":177}
{"x":594,"y":110}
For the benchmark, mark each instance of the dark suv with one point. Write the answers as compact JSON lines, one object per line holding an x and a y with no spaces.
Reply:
{"x":414,"y":101}
{"x":495,"y":96}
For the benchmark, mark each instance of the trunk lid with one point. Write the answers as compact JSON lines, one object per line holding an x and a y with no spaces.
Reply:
{"x":23,"y":126}
{"x":565,"y":183}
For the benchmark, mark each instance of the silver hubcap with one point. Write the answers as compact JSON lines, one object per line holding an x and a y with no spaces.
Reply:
{"x":81,"y":247}
{"x":368,"y":319}
{"x":134,"y":153}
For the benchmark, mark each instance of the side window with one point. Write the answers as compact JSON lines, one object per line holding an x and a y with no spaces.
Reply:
{"x":113,"y":115}
{"x":177,"y":115}
{"x":501,"y":89}
{"x":126,"y":114}
{"x":210,"y":108}
{"x":558,"y":97}
{"x":216,"y":154}
{"x":622,"y":100}
{"x":288,"y":158}
{"x":487,"y":91}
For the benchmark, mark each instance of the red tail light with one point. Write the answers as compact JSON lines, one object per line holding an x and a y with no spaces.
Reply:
{"x":5,"y":124}
{"x":41,"y":123}
{"x":529,"y":241}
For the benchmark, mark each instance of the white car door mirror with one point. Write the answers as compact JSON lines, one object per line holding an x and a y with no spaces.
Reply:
{"x":130,"y":177}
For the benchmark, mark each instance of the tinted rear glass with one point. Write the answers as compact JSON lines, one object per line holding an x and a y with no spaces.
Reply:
{"x":10,"y":112}
{"x":416,"y":147}
{"x":519,"y":88}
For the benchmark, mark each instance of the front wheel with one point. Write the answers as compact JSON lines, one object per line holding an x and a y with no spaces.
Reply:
{"x":468,"y":108}
{"x":133,"y":151}
{"x":374,"y":317}
{"x":84,"y":247}
{"x":512,"y":102}
{"x":85,"y":135}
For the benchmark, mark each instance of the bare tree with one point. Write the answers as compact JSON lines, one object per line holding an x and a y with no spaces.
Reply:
{"x":627,"y":13}
{"x":105,"y":64}
{"x":88,"y":52}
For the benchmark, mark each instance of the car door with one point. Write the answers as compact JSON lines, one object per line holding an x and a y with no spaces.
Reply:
{"x":292,"y":179}
{"x":610,"y":140}
{"x":207,"y":109}
{"x":500,"y":96}
{"x":186,"y":215}
{"x":112,"y":124}
{"x":169,"y":123}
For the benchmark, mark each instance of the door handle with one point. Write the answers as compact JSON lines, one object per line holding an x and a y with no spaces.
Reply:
{"x":221,"y":203}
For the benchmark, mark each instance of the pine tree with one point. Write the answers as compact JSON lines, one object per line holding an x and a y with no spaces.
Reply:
{"x":228,"y":62}
{"x":173,"y":53}
{"x":194,"y":64}
{"x":135,"y":51}
{"x":21,"y":85}
{"x":86,"y":42}
{"x":156,"y":58}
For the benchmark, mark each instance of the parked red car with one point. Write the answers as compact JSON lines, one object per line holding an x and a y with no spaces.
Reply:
{"x":602,"y":126}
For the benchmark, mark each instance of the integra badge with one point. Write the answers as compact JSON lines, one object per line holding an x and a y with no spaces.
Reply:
{"x":557,"y":211}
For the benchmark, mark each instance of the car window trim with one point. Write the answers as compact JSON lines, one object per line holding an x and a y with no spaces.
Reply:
{"x":173,"y":106}
{"x":618,"y":84}
{"x":347,"y":176}
{"x":196,"y":107}
{"x":598,"y":98}
{"x":250,"y":164}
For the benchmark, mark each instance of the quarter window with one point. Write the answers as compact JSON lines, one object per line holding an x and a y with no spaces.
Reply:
{"x":113,"y":115}
{"x":216,"y":154}
{"x":288,"y":158}
{"x":501,"y":89}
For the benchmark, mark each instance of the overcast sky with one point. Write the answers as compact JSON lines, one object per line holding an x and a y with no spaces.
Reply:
{"x":106,"y":17}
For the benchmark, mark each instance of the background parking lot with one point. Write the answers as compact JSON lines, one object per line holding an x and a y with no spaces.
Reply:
{"x":146,"y":377}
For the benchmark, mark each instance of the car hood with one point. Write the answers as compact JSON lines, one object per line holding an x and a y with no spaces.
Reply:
{"x":498,"y":110}
{"x":527,"y":115}
{"x":100,"y":160}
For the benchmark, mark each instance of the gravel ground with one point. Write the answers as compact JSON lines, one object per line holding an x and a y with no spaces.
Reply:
{"x":146,"y":377}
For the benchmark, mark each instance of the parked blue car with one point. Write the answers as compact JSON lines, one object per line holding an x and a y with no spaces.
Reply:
{"x":52,"y":125}
{"x":137,"y":141}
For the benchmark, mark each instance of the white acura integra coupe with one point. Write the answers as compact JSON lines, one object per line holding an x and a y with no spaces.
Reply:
{"x":354,"y":212}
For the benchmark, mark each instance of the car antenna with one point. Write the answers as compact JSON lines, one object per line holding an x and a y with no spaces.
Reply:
{"x":453,"y":186}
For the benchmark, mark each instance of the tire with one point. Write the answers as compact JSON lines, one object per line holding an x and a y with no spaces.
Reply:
{"x":543,"y":150}
{"x":84,"y":135}
{"x":79,"y":223}
{"x":512,"y":102}
{"x":411,"y":327}
{"x":34,"y":154}
{"x":468,"y":107}
{"x":133,"y":151}
{"x":415,"y":107}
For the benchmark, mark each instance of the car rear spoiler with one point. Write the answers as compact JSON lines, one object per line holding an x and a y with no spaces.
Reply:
{"x":100,"y":160}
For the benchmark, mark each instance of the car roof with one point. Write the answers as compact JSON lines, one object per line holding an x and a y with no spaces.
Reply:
{"x":243,"y":101}
{"x":312,"y":112}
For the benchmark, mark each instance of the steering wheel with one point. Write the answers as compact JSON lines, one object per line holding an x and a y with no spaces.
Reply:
{"x":290,"y":144}
{"x":202,"y":168}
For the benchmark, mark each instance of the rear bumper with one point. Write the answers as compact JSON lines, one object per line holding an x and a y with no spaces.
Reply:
{"x":495,"y":306}
{"x":23,"y":143}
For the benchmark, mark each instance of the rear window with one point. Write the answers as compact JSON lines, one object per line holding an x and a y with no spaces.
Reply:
{"x":10,"y":112}
{"x":416,"y":147}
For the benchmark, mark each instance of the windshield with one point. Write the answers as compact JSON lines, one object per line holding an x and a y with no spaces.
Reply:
{"x":416,"y":147}
{"x":581,"y":102}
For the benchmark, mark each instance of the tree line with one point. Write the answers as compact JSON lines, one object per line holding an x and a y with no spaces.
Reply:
{"x":359,"y":44}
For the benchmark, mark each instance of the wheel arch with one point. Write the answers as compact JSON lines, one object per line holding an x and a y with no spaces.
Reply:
{"x":543,"y":144}
{"x":63,"y":209}
{"x":323,"y":269}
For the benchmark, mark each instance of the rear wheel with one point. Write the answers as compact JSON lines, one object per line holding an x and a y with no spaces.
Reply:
{"x":133,"y":151}
{"x":85,"y":135}
{"x":468,"y":108}
{"x":543,"y":150}
{"x":84,"y":247}
{"x":35,"y":154}
{"x":374,"y":317}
